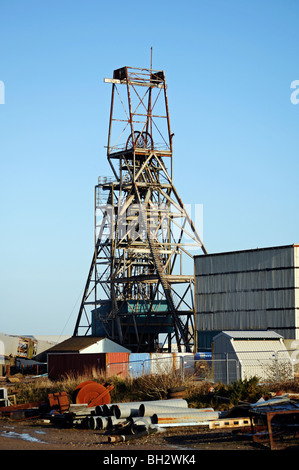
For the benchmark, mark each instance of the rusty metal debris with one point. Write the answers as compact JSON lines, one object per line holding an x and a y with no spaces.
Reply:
{"x":93,"y":393}
{"x":278,"y":422}
{"x":59,"y":401}
{"x":25,"y":410}
{"x":273,"y":423}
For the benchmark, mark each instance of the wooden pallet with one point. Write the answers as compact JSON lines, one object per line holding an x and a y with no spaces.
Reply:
{"x":230,"y":423}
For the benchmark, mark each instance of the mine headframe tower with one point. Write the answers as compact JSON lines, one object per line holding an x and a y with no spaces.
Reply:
{"x":136,"y":287}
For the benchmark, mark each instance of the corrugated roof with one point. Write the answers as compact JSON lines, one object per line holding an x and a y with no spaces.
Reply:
{"x":75,"y":344}
{"x":252,"y":334}
{"x":294,"y":245}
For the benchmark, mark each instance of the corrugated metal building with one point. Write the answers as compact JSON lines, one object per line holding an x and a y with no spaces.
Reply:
{"x":247,"y":290}
{"x":107,"y":364}
{"x":87,"y":345}
{"x":244,"y":354}
{"x":81,"y":355}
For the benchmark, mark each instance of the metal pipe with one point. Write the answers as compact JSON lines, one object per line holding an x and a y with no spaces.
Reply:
{"x":149,"y":410}
{"x":183,"y":424}
{"x":142,"y":420}
{"x":99,"y":410}
{"x":107,"y":410}
{"x":113,"y":421}
{"x":173,"y":401}
{"x":141,"y":424}
{"x":127,"y":409}
{"x":93,"y":422}
{"x":164,"y":418}
{"x":128,"y":437}
{"x":102,"y":422}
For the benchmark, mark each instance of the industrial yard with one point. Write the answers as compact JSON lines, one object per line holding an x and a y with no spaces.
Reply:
{"x":35,"y":435}
{"x":245,"y":416}
{"x":147,"y":312}
{"x":40,"y":434}
{"x":150,"y":254}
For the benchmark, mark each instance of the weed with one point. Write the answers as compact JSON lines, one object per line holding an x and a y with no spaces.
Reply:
{"x":155,"y":387}
{"x":247,"y":390}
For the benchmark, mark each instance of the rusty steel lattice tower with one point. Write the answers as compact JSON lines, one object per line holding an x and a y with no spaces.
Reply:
{"x":136,"y":287}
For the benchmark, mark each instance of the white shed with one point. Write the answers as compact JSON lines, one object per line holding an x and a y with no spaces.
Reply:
{"x":244,"y":354}
{"x":87,"y":345}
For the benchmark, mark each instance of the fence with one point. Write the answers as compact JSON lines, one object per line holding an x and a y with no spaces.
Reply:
{"x":156,"y":365}
{"x":274,"y":366}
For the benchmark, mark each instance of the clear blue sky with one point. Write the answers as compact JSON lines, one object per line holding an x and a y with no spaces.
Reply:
{"x":229,"y":66}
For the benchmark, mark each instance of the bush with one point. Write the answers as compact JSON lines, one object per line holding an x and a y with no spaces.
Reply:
{"x":200,"y":394}
{"x":155,"y":386}
{"x":247,"y":390}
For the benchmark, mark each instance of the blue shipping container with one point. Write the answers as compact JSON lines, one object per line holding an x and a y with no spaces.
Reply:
{"x":205,"y":355}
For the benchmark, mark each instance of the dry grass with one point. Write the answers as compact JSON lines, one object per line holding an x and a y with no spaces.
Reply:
{"x":37,"y":389}
{"x":150,"y":387}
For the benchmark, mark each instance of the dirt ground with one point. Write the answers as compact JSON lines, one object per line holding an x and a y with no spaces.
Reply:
{"x":36,"y":441}
{"x":40,"y":435}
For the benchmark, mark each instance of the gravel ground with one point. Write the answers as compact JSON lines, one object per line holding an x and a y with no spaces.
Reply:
{"x":40,"y":435}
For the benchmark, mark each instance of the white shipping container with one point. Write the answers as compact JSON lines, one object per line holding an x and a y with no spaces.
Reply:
{"x":161,"y":363}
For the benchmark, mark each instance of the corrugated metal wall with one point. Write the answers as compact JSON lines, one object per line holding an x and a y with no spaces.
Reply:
{"x":120,"y":364}
{"x":117,"y":364}
{"x":61,"y":364}
{"x":254,"y":289}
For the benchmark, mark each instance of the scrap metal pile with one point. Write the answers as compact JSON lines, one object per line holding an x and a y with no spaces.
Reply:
{"x":93,"y":410}
{"x":272,"y":423}
{"x":132,"y":418}
{"x":277,"y":422}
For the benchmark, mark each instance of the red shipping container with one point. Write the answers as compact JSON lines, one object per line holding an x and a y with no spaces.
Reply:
{"x":62,"y":364}
{"x":117,"y":364}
